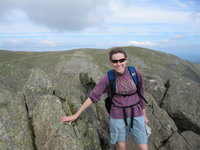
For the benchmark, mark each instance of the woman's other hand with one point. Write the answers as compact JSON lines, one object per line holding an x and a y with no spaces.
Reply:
{"x":146,"y":120}
{"x":69,"y":119}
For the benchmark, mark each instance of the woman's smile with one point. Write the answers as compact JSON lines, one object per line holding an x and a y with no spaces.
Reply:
{"x":119,"y":62}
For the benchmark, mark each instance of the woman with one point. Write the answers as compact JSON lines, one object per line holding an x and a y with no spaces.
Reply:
{"x":119,"y":128}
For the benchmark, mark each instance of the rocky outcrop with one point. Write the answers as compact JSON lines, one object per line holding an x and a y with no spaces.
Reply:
{"x":156,"y":86}
{"x":30,"y":115}
{"x":192,"y":139}
{"x":50,"y":133}
{"x":37,"y":85}
{"x":182,"y":104}
{"x":15,"y":133}
{"x":176,"y":142}
{"x":187,"y":140}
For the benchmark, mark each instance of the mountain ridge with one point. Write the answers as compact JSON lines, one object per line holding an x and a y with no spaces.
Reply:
{"x":189,"y":57}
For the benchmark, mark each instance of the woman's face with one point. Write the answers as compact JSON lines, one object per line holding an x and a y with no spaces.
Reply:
{"x":119,"y":62}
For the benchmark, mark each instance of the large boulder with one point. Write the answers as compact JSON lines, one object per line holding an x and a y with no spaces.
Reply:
{"x":38,"y":84}
{"x":156,"y":86}
{"x":50,"y":132}
{"x":94,"y":121}
{"x":15,"y":133}
{"x":192,"y":139}
{"x":176,"y":142}
{"x":162,"y":125}
{"x":66,"y":81}
{"x":182,"y":104}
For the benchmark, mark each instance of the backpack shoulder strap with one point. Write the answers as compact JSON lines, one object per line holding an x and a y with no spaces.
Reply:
{"x":133,"y":75}
{"x":135,"y":79}
{"x":112,"y":82}
{"x":111,"y":77}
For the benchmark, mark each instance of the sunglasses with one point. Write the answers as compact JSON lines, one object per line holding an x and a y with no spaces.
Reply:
{"x":116,"y":61}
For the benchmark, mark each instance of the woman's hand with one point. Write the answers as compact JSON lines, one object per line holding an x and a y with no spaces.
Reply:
{"x":72,"y":118}
{"x":146,"y":119}
{"x":69,"y":119}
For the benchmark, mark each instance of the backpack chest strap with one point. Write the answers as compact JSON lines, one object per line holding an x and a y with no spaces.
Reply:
{"x":125,"y":94}
{"x":125,"y":115}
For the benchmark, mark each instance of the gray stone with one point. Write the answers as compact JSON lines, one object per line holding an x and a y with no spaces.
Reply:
{"x":37,"y":85}
{"x":155,"y":85}
{"x":192,"y":139}
{"x":15,"y":133}
{"x":176,"y":142}
{"x":50,"y":132}
{"x":182,"y":104}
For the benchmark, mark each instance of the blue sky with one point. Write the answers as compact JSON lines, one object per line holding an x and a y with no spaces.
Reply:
{"x":172,"y":26}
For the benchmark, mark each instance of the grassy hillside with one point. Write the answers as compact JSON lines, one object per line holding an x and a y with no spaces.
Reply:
{"x":15,"y":67}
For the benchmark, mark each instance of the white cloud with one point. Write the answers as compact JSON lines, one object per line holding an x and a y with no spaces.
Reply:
{"x":28,"y":44}
{"x":141,"y":43}
{"x":177,"y":37}
{"x":147,"y":14}
{"x":78,"y":15}
{"x":195,"y":16}
{"x":47,"y":43}
{"x":180,"y":4}
{"x":156,"y":43}
{"x":59,"y":15}
{"x":165,"y":41}
{"x":17,"y":41}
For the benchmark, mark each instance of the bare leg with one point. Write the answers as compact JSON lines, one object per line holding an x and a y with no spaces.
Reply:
{"x":121,"y":146}
{"x":142,"y":147}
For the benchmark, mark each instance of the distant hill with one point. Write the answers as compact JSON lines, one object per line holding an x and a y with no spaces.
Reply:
{"x":36,"y":88}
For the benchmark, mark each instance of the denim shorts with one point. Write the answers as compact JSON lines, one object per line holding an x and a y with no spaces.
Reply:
{"x":119,"y":131}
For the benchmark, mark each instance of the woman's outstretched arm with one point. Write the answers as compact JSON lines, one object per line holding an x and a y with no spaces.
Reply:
{"x":75,"y":116}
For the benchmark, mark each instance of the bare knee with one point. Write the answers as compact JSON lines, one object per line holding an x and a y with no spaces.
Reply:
{"x":121,"y":146}
{"x":142,"y":147}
